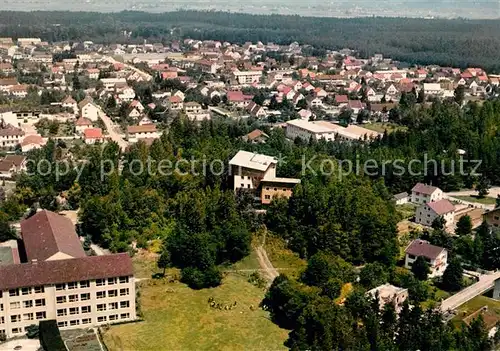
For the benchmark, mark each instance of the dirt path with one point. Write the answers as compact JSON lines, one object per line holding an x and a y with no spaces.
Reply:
{"x":267,"y":267}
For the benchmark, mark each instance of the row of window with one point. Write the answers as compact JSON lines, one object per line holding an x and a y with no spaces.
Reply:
{"x":86,"y":296}
{"x":101,"y":319}
{"x":25,"y":291}
{"x":16,"y":318}
{"x":26,"y":304}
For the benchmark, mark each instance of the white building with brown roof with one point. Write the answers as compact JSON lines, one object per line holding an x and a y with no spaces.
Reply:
{"x":429,"y":211}
{"x":435,"y":256}
{"x":32,"y":141}
{"x":58,"y":281}
{"x":422,"y":193}
{"x":390,"y":294}
{"x":10,"y":136}
{"x":11,"y":165}
{"x":146,"y":131}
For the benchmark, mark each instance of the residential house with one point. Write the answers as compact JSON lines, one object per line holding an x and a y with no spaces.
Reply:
{"x":175,"y":102}
{"x":81,"y":124}
{"x":10,"y":136}
{"x":57,"y":280}
{"x":11,"y":165}
{"x":31,"y":142}
{"x":435,"y":256}
{"x":256,"y":136}
{"x":422,"y":193}
{"x":432,"y":89}
{"x":247,"y":77}
{"x":90,"y":110}
{"x":146,"y":131}
{"x":428,"y":212}
{"x":192,"y":108}
{"x":402,"y":198}
{"x":70,"y":103}
{"x":19,"y":90}
{"x":492,"y":218}
{"x":256,"y":110}
{"x":93,"y":135}
{"x":238,"y":99}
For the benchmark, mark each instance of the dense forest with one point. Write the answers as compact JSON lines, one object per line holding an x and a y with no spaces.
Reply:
{"x":457,"y":42}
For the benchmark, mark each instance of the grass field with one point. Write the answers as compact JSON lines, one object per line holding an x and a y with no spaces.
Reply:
{"x":381,"y":127}
{"x":179,"y":318}
{"x":471,"y":309}
{"x":485,"y":200}
{"x":283,"y":259}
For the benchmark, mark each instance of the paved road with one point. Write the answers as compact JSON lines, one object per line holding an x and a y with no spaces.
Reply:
{"x":474,"y":204}
{"x":145,"y":75}
{"x":113,"y":134}
{"x":486,"y":281}
{"x":493,"y":192}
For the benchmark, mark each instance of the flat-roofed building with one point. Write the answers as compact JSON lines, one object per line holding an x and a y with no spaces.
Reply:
{"x":389,"y":293}
{"x":257,"y":173}
{"x":145,"y":131}
{"x":247,"y":77}
{"x":58,"y":281}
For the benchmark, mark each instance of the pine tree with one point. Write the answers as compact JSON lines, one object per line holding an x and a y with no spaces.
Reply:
{"x":420,"y":268}
{"x":452,"y":276}
{"x":464,"y":226}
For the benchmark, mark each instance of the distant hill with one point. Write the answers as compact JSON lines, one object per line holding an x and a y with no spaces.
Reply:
{"x":478,"y":9}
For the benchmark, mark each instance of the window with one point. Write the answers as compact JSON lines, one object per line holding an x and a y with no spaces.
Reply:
{"x":14,"y":292}
{"x":28,"y":304}
{"x":41,"y":315}
{"x":86,"y":309}
{"x":40,"y":302}
{"x":123,"y":292}
{"x":125,"y":316}
{"x":84,"y":284}
{"x":62,"y":312}
{"x":242,"y":185}
{"x":73,"y":298}
{"x":124,"y":304}
{"x":267,"y":188}
{"x":101,"y":319}
{"x":2,"y":320}
{"x":72,"y":285}
{"x":123,"y":280}
{"x":101,"y":307}
{"x":112,"y":293}
{"x":411,"y":256}
{"x":86,"y":321}
{"x":101,"y":294}
{"x":267,"y":197}
{"x":73,"y":310}
{"x":85,"y":297}
{"x":248,"y":186}
{"x":28,"y":316}
{"x":74,"y":322}
{"x":113,"y":306}
{"x":15,"y":305}
{"x":16,"y":330}
{"x":39,"y":289}
{"x":496,"y":218}
{"x":60,"y":286}
{"x":113,"y":317}
{"x":26,"y":291}
{"x":100,"y":282}
{"x":61,"y":299}
{"x":15,"y":318}
{"x":62,"y":324}
{"x":111,"y":281}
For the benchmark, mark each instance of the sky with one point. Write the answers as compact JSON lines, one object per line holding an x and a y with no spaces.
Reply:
{"x":477,"y":9}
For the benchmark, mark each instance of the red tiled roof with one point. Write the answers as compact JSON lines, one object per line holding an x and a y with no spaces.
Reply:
{"x":92,"y":133}
{"x":341,"y":99}
{"x":47,"y":233}
{"x":235,"y":96}
{"x":82,"y":121}
{"x":423,"y":248}
{"x":62,"y":271}
{"x":32,"y":139}
{"x":441,"y":207}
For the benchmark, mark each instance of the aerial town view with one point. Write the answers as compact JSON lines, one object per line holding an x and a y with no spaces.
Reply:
{"x":209,"y":180}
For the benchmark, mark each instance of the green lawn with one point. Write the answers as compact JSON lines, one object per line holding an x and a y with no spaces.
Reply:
{"x":179,"y":318}
{"x":490,"y":317}
{"x":381,"y":127}
{"x":485,"y":200}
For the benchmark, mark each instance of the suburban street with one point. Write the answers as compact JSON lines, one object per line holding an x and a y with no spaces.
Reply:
{"x":145,"y":75}
{"x":113,"y":134}
{"x":486,"y":281}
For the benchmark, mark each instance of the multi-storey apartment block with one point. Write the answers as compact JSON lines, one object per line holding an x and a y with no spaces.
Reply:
{"x":58,"y":281}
